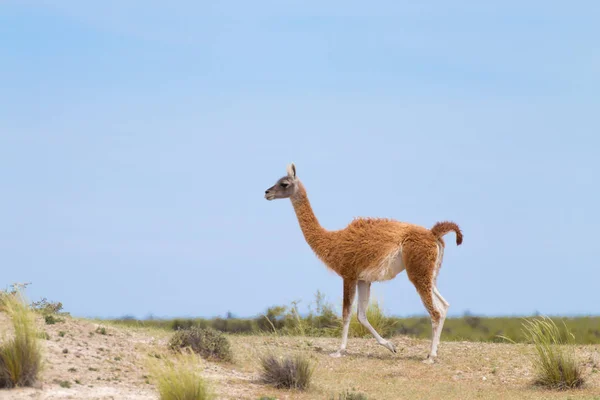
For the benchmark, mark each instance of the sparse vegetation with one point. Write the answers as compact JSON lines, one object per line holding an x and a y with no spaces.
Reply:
{"x":290,"y":372}
{"x":178,"y":379}
{"x":65,"y":384}
{"x":20,"y":356}
{"x":101,"y":330}
{"x":348,"y":395}
{"x":555,"y":362}
{"x":323,"y":321}
{"x":209,"y":343}
{"x":50,"y":310}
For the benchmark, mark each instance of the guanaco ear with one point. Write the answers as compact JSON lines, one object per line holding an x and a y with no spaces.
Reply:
{"x":291,"y":171}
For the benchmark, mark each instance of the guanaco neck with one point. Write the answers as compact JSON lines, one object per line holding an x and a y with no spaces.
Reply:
{"x":317,"y":237}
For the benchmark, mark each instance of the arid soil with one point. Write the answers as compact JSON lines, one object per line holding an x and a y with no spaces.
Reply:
{"x":83,"y":361}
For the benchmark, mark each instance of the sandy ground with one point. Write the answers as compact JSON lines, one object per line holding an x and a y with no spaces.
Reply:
{"x":112,"y":366}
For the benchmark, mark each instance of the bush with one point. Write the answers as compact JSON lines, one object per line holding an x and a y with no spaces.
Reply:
{"x":20,"y":356}
{"x":208,"y":342}
{"x":286,"y":372}
{"x":178,"y":379}
{"x":555,"y":361}
{"x":50,"y":310}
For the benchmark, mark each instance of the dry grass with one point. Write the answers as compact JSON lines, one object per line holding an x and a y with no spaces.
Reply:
{"x":289,"y":372}
{"x":177,"y":378}
{"x":555,"y":363}
{"x":20,"y":356}
{"x":348,"y":395}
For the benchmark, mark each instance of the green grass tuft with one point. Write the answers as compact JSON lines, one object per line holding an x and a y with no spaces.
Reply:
{"x":20,"y":356}
{"x":291,"y":372}
{"x":178,"y":379}
{"x":555,"y":361}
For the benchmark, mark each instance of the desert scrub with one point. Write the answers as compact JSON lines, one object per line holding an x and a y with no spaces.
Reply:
{"x":20,"y":356}
{"x":178,"y":378}
{"x":290,"y":372}
{"x":50,"y":310}
{"x":554,"y":360}
{"x":209,"y":343}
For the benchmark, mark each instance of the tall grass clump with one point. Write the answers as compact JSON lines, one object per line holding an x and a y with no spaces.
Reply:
{"x":383,"y":324}
{"x":555,"y":362}
{"x":289,"y":372}
{"x":178,"y":378}
{"x":20,"y":356}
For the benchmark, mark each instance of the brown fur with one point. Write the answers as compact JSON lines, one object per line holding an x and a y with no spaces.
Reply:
{"x":349,"y":293}
{"x":441,"y":228}
{"x":365,"y":242}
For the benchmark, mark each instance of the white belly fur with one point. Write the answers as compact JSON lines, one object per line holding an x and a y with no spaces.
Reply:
{"x":391,"y":266}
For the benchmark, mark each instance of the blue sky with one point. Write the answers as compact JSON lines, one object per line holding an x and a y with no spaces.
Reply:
{"x":137,"y":139}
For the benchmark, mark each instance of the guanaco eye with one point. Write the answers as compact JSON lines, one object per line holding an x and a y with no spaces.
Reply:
{"x":284,"y":184}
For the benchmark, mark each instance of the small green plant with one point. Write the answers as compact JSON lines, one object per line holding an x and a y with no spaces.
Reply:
{"x":178,"y":378}
{"x":291,"y":372}
{"x":20,"y":356}
{"x":555,"y":361}
{"x":101,"y":330}
{"x":61,"y":333}
{"x":347,"y":395}
{"x":65,"y":384}
{"x":72,"y":369}
{"x":92,"y":369}
{"x":208,"y":342}
{"x":77,"y":381}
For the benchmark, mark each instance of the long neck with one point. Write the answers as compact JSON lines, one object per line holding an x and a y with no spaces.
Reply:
{"x":315,"y":235}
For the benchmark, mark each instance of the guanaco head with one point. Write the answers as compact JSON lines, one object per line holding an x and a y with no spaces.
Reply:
{"x":285,"y":187}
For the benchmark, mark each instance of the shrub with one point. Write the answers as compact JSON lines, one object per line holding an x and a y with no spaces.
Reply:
{"x":286,"y":372}
{"x":384,"y":325}
{"x":50,"y":310}
{"x":555,"y":362}
{"x":20,"y":356}
{"x":208,"y":342}
{"x":179,"y":380}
